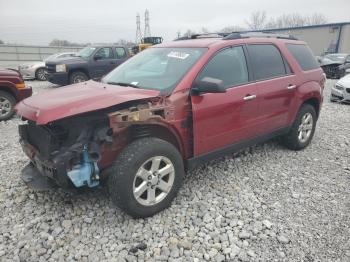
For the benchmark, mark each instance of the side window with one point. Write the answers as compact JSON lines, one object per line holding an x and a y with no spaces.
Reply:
{"x":304,"y":56}
{"x":120,"y":52}
{"x":229,"y":65}
{"x":267,"y":61}
{"x":105,"y":53}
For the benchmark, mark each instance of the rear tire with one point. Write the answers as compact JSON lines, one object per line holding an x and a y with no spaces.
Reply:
{"x":41,"y":74}
{"x":78,"y":77}
{"x":146,"y":177}
{"x":7,"y":104}
{"x":302,"y":130}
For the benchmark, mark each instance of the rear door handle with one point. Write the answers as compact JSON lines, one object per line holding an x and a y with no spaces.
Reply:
{"x":249,"y":97}
{"x":290,"y":87}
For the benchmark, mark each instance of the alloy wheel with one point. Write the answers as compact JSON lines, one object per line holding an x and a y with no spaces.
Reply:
{"x":305,"y":128}
{"x":5,"y":107}
{"x":41,"y":74}
{"x":153,"y":180}
{"x":78,"y":79}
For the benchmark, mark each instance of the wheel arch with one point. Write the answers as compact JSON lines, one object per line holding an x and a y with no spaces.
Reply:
{"x":156,"y":130}
{"x":40,"y":67}
{"x":313,"y":101}
{"x":78,"y":69}
{"x":9,"y":90}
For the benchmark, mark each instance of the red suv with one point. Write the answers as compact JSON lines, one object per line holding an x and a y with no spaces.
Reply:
{"x":168,"y":109}
{"x":12,"y":90}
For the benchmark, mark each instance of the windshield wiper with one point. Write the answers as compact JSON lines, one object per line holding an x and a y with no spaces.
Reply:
{"x":123,"y":84}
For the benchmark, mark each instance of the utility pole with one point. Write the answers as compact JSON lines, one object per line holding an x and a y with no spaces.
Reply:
{"x":147,"y":26}
{"x":138,"y":29}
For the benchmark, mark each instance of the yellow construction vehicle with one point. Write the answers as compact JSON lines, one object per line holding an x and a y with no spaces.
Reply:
{"x":147,"y":42}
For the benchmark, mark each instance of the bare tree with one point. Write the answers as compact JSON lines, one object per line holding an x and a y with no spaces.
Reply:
{"x":294,"y":19}
{"x":58,"y":42}
{"x":257,"y":20}
{"x":189,"y":32}
{"x":316,"y":19}
{"x":230,"y":29}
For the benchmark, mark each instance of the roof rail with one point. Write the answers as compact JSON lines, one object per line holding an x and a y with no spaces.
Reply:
{"x":204,"y":35}
{"x":239,"y":35}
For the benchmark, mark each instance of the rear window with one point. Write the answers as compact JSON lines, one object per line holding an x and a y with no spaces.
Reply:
{"x":267,"y":61}
{"x":304,"y":56}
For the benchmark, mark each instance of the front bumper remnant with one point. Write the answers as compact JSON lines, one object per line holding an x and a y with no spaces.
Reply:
{"x":33,"y":179}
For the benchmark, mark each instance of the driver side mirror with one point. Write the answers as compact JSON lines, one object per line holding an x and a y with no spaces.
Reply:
{"x":97,"y":57}
{"x":208,"y":85}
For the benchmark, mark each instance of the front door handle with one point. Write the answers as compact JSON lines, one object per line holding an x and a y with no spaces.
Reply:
{"x":249,"y":97}
{"x":290,"y":87}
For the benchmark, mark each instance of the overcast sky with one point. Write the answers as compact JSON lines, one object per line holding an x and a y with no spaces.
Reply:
{"x":39,"y":21}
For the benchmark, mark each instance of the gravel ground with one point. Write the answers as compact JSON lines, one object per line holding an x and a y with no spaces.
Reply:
{"x":265,"y":204}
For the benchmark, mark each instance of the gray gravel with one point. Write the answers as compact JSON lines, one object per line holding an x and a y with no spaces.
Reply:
{"x":265,"y":204}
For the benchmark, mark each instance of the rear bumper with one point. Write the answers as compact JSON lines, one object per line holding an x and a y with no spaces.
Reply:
{"x":58,"y":78}
{"x":23,"y":93}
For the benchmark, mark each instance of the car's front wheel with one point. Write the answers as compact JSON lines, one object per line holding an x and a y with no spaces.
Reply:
{"x":7,"y":104}
{"x":146,"y":177}
{"x":77,"y":77}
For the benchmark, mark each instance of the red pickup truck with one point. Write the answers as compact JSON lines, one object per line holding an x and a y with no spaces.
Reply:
{"x":12,"y":90}
{"x":169,"y":109}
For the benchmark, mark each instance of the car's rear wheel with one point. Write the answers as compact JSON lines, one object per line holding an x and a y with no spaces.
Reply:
{"x":41,"y":74}
{"x":77,"y":77}
{"x":7,"y":104}
{"x":302,"y":130}
{"x":146,"y":177}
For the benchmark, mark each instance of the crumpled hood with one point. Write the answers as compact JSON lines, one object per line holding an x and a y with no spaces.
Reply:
{"x":76,"y":99}
{"x":326,"y":61}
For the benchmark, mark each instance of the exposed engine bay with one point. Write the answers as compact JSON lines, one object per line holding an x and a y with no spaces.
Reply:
{"x":74,"y":150}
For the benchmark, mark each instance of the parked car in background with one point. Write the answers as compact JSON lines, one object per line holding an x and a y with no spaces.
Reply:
{"x":168,"y":109}
{"x":89,"y":63}
{"x":12,"y":90}
{"x":335,"y":65}
{"x":340,"y":92}
{"x":37,"y":70}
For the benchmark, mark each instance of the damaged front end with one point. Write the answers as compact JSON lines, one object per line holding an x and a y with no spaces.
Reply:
{"x":66,"y":151}
{"x":74,"y":151}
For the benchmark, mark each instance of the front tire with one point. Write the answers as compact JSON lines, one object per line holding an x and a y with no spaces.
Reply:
{"x":7,"y":104}
{"x":302,"y":130}
{"x":77,"y":77}
{"x":146,"y":177}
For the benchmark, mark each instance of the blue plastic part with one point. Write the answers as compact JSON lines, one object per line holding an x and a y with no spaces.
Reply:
{"x":82,"y":174}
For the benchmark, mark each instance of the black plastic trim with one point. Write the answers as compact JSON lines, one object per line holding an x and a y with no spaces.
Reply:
{"x":199,"y":160}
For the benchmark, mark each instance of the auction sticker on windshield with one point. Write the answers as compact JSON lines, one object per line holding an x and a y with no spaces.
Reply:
{"x":179,"y":55}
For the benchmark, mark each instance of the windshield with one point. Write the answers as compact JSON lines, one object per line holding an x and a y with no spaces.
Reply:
{"x":155,"y":68}
{"x":336,"y":57}
{"x":86,"y":52}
